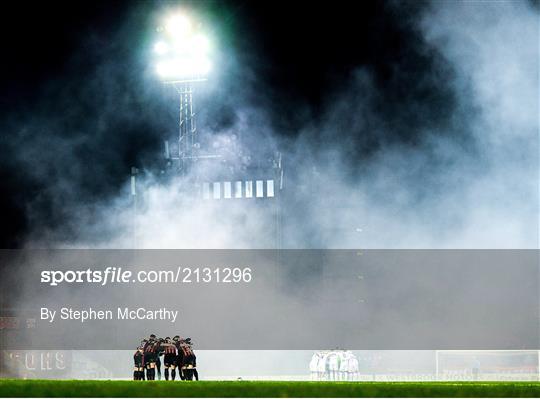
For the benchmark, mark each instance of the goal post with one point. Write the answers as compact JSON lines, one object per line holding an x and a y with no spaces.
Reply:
{"x":493,"y":365}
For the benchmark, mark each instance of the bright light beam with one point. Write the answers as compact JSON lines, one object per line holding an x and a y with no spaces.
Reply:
{"x":161,"y":48}
{"x":182,"y":52}
{"x":178,"y":26}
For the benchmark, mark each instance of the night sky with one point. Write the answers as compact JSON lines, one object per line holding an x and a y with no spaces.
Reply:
{"x":56,"y":55}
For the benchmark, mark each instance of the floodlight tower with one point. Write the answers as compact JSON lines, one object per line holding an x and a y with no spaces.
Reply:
{"x":182,"y":60}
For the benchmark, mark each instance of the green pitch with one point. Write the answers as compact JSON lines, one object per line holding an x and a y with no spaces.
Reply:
{"x":71,"y":388}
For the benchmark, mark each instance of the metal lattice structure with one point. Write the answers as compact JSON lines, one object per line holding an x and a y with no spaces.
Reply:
{"x":187,"y":127}
{"x":234,"y":174}
{"x":187,"y":148}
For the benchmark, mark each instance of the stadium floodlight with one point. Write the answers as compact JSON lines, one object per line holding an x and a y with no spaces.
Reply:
{"x":181,"y":58}
{"x":182,"y":52}
{"x":178,"y":25}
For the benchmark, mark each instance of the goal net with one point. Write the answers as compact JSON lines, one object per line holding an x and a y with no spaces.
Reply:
{"x":487,"y":365}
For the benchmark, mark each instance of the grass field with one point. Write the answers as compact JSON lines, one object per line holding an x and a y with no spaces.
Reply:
{"x":71,"y":388}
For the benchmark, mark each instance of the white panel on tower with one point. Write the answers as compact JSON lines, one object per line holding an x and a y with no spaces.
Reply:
{"x":249,"y":189}
{"x":269,"y":188}
{"x":259,"y":193}
{"x":217,"y":190}
{"x":237,"y":189}
{"x":227,"y":189}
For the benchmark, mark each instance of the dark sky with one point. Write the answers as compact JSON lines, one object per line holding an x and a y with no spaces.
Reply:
{"x":301,"y":48}
{"x":305,"y":48}
{"x":59,"y":58}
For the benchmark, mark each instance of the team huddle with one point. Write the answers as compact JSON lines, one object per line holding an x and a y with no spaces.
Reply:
{"x":336,"y":365}
{"x":177,"y":354}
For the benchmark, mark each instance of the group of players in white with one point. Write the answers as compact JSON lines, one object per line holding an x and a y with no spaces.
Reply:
{"x":337,"y":365}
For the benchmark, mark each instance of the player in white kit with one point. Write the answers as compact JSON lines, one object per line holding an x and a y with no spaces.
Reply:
{"x":322,"y":365}
{"x":333,"y":365}
{"x":353,"y":368}
{"x":314,"y":366}
{"x":344,"y":365}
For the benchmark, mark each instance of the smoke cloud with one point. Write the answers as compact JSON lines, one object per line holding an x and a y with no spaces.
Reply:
{"x":441,"y":153}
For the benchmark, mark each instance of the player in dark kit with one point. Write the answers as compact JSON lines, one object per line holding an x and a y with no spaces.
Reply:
{"x":170,"y":358}
{"x":177,"y":341}
{"x":151,"y":349}
{"x":193,"y":360}
{"x":158,"y":358}
{"x":138,"y":359}
{"x":189,"y":360}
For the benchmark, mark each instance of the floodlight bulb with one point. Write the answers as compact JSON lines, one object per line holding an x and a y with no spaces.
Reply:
{"x":183,"y":51}
{"x":183,"y":68}
{"x":163,"y":69}
{"x":178,"y":25}
{"x":161,"y":48}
